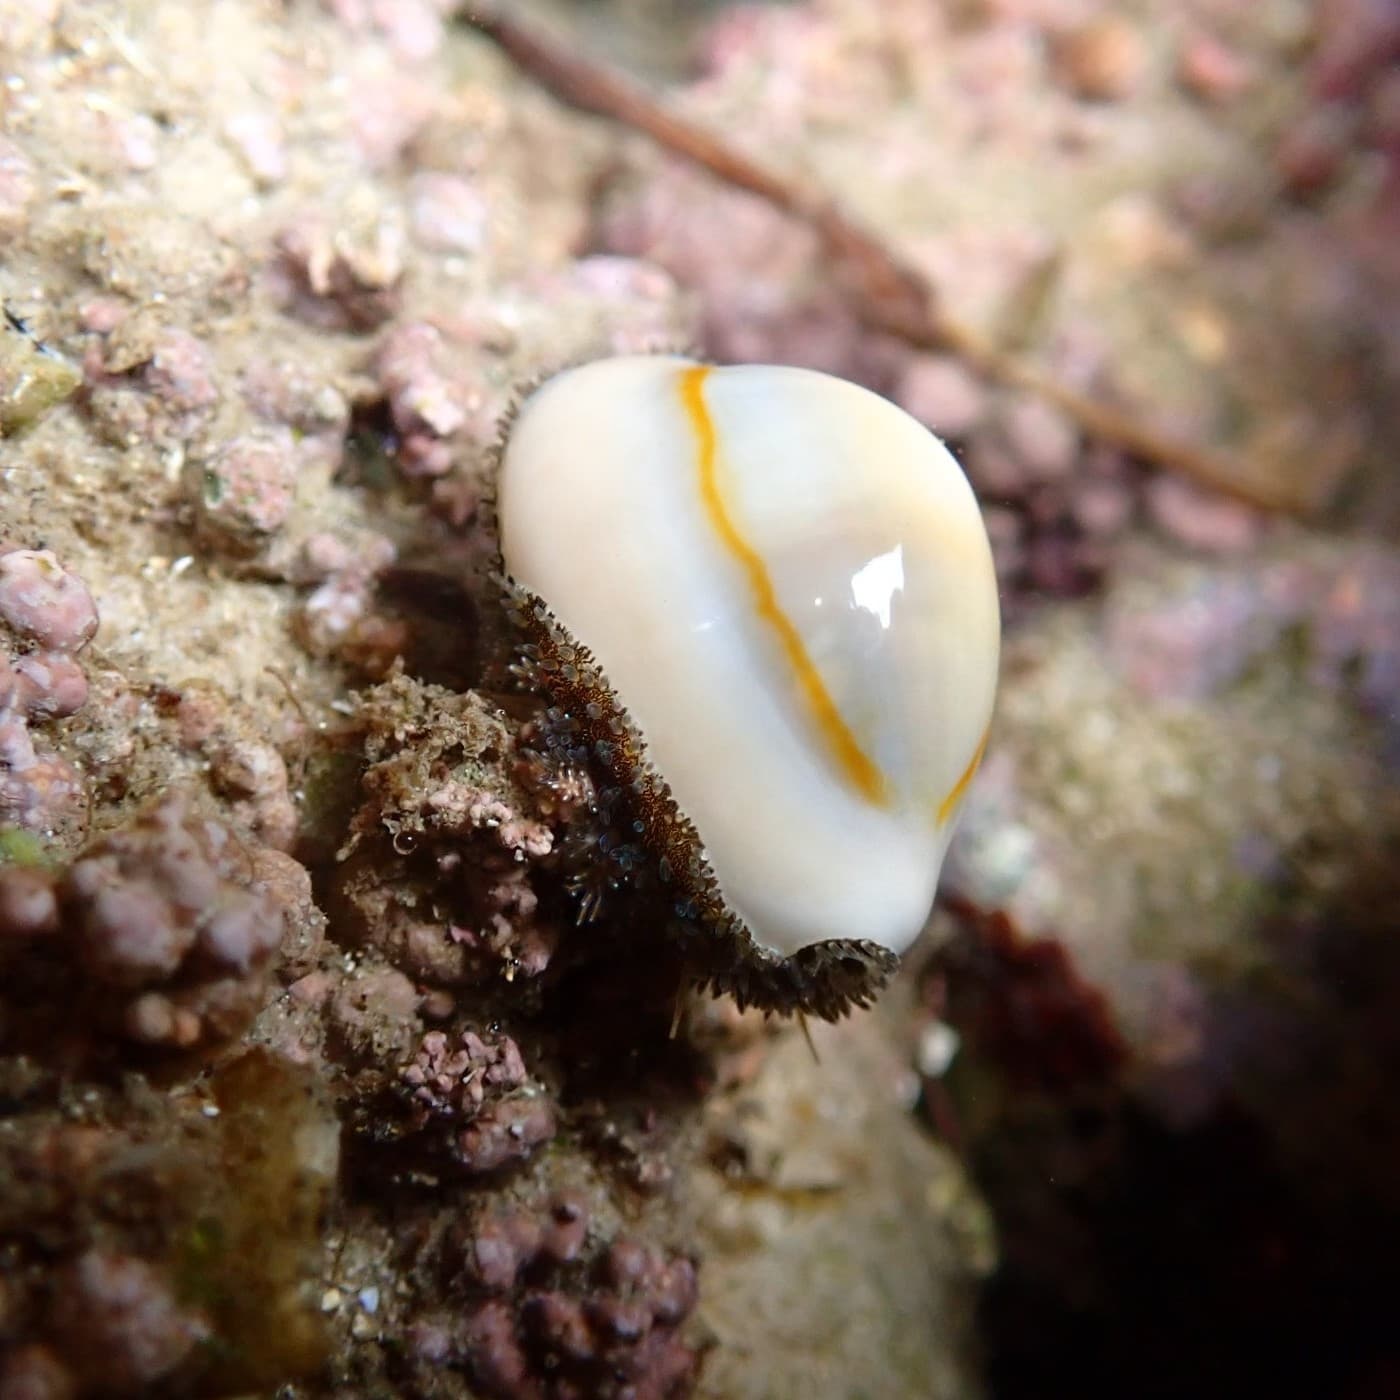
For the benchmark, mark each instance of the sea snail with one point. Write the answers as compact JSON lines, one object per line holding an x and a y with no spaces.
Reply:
{"x":764,"y":599}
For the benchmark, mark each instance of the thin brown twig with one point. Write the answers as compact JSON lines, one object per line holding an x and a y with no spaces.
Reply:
{"x":887,"y":293}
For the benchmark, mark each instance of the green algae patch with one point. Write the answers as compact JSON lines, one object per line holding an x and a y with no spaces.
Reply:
{"x":33,"y":380}
{"x":251,"y":1258}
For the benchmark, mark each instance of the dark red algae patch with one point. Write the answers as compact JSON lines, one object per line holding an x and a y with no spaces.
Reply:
{"x":1245,"y":1248}
{"x":1024,"y":1008}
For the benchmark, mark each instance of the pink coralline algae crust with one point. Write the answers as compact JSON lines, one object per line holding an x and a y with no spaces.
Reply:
{"x":243,"y":492}
{"x":1105,"y":60}
{"x":288,"y":394}
{"x":461,"y":805}
{"x":1357,"y":40}
{"x":287,"y":883}
{"x":127,"y":1330}
{"x":1210,"y":69}
{"x":47,"y":617}
{"x":341,"y":617}
{"x":941,"y":389}
{"x":412,"y":28}
{"x":28,"y":907}
{"x":342,"y":277}
{"x":258,"y":139}
{"x":752,"y":309}
{"x":427,"y":407}
{"x":162,"y":928}
{"x":449,"y":213}
{"x":458,"y":901}
{"x":372,"y":1014}
{"x":43,"y":685}
{"x":554,"y":1312}
{"x":480,"y":1093}
{"x":150,"y":384}
{"x":1200,"y":640}
{"x":438,"y":412}
{"x":1355,"y":82}
{"x":1202,"y":521}
{"x":40,"y":791}
{"x":224,"y":748}
{"x":172,"y":867}
{"x":251,"y":776}
{"x":43,"y":602}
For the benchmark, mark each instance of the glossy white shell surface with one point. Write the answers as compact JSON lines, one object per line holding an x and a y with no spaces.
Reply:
{"x":787,"y":582}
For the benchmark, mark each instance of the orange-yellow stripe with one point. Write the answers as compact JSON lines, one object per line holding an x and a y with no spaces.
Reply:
{"x":850,"y":757}
{"x":949,"y":804}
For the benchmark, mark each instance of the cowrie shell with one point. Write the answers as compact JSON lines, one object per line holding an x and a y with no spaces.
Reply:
{"x":786,"y":581}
